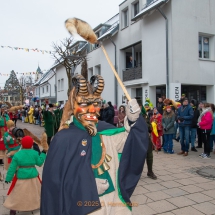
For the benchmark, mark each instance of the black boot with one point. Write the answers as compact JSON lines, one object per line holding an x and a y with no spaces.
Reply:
{"x":193,"y":149}
{"x":152,"y":175}
{"x":12,"y":212}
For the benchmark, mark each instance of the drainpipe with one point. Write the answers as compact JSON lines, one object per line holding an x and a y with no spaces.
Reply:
{"x":167,"y":53}
{"x":50,"y":89}
{"x":39,"y":95}
{"x":115,"y":81}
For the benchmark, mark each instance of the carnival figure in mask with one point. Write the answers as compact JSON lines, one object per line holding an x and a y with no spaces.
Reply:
{"x":92,"y":164}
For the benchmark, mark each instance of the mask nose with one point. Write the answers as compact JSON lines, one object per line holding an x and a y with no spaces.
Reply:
{"x":92,"y":109}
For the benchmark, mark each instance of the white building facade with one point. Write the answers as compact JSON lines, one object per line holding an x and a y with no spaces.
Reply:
{"x":142,"y":35}
{"x":172,"y":46}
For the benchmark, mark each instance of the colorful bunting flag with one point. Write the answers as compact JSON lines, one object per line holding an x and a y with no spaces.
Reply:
{"x":27,"y":49}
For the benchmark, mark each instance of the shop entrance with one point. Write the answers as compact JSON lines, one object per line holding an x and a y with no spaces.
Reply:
{"x":194,"y":92}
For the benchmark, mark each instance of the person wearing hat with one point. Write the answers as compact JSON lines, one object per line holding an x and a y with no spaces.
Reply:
{"x":182,"y":98}
{"x":149,"y":155}
{"x":49,"y":118}
{"x":156,"y":121}
{"x":24,"y":192}
{"x":148,"y":110}
{"x":193,"y":131}
{"x":184,"y":118}
{"x":85,"y":171}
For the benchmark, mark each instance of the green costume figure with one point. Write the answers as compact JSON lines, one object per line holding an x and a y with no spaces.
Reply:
{"x":150,"y":103}
{"x":149,"y":156}
{"x":24,"y":192}
{"x":50,"y":123}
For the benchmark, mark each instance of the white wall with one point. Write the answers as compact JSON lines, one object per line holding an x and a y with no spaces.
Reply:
{"x":189,"y":19}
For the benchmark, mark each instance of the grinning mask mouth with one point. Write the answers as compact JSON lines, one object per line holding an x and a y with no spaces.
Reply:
{"x":86,"y":111}
{"x":87,"y":101}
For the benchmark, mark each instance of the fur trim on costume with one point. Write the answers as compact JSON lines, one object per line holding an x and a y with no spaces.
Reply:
{"x":44,"y":143}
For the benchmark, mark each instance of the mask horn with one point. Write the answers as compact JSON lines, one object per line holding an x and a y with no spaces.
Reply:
{"x":80,"y":84}
{"x":97,"y":83}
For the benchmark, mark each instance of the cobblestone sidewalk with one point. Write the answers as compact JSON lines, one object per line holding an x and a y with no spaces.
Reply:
{"x":178,"y":189}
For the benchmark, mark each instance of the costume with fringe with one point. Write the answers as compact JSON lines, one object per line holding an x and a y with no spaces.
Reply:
{"x":24,"y":193}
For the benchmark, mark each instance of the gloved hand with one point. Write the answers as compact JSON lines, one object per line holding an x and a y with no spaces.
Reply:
{"x":102,"y":185}
{"x":36,"y":148}
{"x":165,"y":129}
{"x":133,"y":110}
{"x":7,"y":182}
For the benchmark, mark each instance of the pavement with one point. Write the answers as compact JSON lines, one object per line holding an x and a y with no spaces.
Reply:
{"x":179,"y":190}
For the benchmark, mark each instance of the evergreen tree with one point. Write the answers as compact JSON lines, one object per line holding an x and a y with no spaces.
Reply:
{"x":12,"y":84}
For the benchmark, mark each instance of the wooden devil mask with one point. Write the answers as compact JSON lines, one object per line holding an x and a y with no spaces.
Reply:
{"x":85,"y":102}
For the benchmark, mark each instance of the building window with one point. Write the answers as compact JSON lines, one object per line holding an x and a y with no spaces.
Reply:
{"x":136,"y":8}
{"x":148,"y":2}
{"x":98,"y":70}
{"x":47,"y":88}
{"x":58,"y":85}
{"x":203,"y":47}
{"x":62,"y":84}
{"x":125,"y":18}
{"x":90,"y":73}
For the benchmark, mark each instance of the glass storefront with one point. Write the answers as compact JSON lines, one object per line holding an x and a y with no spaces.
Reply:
{"x":194,"y":92}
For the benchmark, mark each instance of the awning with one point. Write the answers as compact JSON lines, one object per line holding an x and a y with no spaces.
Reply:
{"x":111,"y":31}
{"x":149,"y":8}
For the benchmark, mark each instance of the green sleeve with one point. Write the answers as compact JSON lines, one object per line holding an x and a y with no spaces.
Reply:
{"x":40,"y":159}
{"x":12,"y":169}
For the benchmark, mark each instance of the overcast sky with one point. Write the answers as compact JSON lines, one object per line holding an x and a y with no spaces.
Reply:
{"x":36,"y":24}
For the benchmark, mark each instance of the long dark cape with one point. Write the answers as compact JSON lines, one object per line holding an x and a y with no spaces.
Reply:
{"x":68,"y":177}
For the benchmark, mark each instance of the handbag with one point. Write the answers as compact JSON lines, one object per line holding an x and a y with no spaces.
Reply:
{"x":1,"y":121}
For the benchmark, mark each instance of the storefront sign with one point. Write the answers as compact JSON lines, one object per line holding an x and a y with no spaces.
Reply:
{"x":175,"y":91}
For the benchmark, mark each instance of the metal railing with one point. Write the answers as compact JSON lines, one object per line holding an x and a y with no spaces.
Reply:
{"x":130,"y":74}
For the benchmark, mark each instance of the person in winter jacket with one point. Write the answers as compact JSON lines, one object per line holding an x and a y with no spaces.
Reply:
{"x":160,"y":106}
{"x":200,"y":107}
{"x":36,"y":115}
{"x":107,"y":114}
{"x":184,"y":118}
{"x":156,"y":119}
{"x":168,"y":120}
{"x":194,"y":126}
{"x":205,"y":124}
{"x":23,"y":112}
{"x":121,"y":116}
{"x":24,"y":192}
{"x":212,"y":136}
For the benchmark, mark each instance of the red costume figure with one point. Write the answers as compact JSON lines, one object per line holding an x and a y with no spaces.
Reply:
{"x":10,"y":142}
{"x":157,"y":119}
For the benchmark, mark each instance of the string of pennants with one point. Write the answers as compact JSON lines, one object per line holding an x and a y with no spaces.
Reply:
{"x":21,"y":73}
{"x":28,"y":50}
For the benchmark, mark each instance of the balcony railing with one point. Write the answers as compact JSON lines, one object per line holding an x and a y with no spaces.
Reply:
{"x":132,"y":74}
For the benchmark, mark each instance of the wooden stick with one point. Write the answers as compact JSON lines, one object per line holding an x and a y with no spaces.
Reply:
{"x":116,"y":74}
